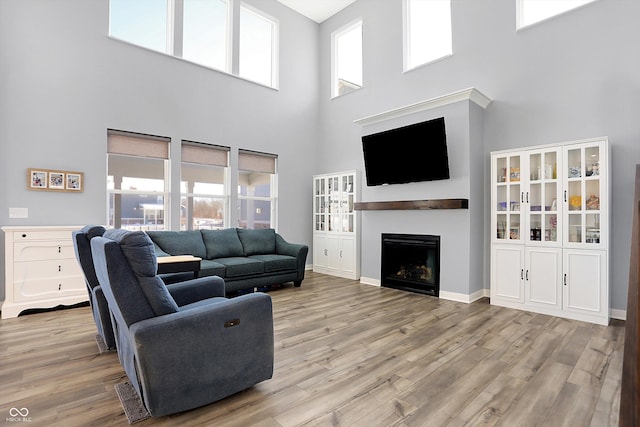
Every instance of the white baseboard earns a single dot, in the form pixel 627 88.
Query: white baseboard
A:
pixel 618 314
pixel 453 296
pixel 369 281
pixel 468 299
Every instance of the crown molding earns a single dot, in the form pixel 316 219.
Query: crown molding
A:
pixel 470 94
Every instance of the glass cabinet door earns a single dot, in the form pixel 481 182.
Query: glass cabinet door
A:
pixel 509 198
pixel 542 197
pixel 333 188
pixel 346 203
pixel 583 192
pixel 319 204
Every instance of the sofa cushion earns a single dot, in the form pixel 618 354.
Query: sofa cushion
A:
pixel 222 243
pixel 211 268
pixel 180 242
pixel 258 242
pixel 240 266
pixel 138 250
pixel 273 262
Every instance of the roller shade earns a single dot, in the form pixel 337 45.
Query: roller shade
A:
pixel 204 154
pixel 136 144
pixel 256 162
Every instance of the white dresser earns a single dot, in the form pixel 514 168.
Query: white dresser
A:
pixel 41 269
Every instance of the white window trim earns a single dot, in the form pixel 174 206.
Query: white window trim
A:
pixel 406 41
pixel 273 198
pixel 174 42
pixel 165 194
pixel 334 60
pixel 520 15
pixel 226 197
pixel 275 51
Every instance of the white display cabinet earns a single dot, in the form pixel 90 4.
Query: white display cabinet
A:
pixel 546 201
pixel 335 222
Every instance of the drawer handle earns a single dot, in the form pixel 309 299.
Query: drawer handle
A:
pixel 59 249
pixel 24 235
pixel 60 286
pixel 59 268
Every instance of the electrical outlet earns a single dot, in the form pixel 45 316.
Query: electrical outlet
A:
pixel 18 212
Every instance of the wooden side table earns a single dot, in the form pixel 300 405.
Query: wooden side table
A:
pixel 179 264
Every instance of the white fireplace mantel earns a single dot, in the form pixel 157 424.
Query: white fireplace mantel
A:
pixel 470 94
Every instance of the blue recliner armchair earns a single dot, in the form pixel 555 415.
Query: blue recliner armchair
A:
pixel 99 306
pixel 185 348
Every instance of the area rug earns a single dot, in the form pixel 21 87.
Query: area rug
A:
pixel 131 403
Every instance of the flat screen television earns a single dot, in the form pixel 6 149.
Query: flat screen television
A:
pixel 413 153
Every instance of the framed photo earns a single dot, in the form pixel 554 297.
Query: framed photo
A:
pixel 37 179
pixel 74 181
pixel 56 180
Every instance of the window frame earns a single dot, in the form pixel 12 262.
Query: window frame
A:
pixel 131 152
pixel 275 44
pixel 407 43
pixel 273 183
pixel 228 45
pixel 335 35
pixel 175 33
pixel 520 14
pixel 226 184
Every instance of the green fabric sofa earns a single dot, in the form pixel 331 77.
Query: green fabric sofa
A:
pixel 244 258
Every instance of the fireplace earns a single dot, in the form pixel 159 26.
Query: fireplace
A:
pixel 411 262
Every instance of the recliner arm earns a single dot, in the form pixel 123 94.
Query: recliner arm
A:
pixel 194 290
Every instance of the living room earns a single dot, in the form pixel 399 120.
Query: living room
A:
pixel 569 78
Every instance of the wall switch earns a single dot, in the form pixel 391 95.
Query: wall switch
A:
pixel 18 212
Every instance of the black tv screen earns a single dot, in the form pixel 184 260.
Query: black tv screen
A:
pixel 413 153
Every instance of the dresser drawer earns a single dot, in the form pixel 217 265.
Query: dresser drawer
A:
pixel 37 251
pixel 57 235
pixel 44 288
pixel 25 271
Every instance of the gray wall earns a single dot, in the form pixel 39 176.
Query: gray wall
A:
pixel 572 77
pixel 63 82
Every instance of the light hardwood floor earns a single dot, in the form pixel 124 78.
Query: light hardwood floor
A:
pixel 346 354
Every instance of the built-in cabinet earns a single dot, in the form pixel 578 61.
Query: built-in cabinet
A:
pixel 41 269
pixel 550 229
pixel 335 225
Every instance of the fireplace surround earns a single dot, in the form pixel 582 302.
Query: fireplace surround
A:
pixel 411 262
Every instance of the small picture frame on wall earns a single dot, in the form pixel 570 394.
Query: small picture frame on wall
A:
pixel 56 180
pixel 74 181
pixel 37 179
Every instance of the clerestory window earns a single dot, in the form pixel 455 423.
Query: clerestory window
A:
pixel 533 11
pixel 200 31
pixel 346 59
pixel 427 31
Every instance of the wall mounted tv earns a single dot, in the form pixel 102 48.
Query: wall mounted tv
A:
pixel 413 153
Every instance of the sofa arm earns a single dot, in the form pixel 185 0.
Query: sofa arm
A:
pixel 291 249
pixel 197 356
pixel 295 250
pixel 194 290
